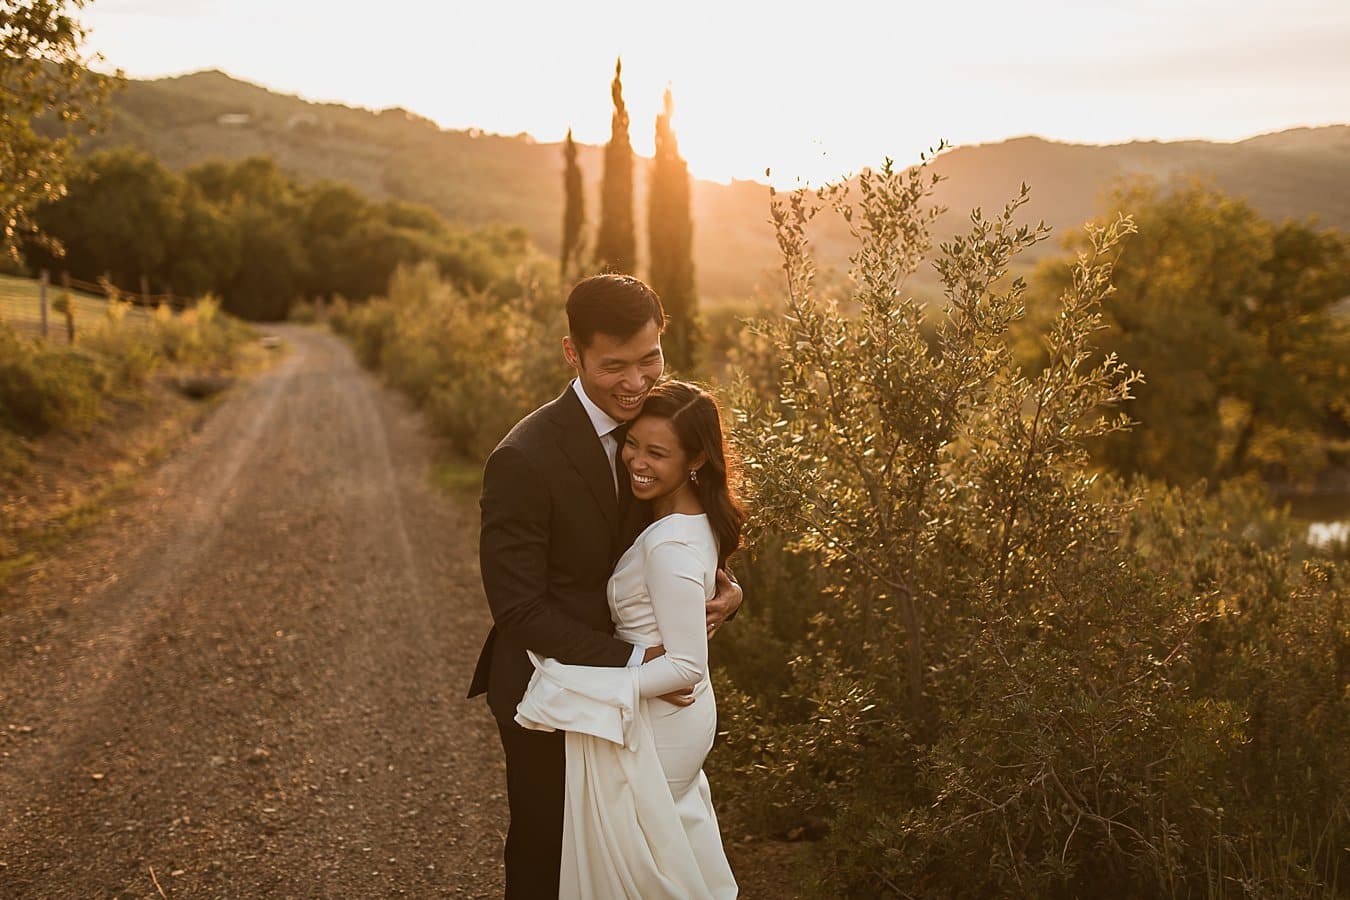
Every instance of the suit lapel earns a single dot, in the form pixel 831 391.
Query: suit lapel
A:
pixel 582 447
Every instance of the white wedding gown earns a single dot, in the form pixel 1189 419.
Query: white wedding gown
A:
pixel 638 817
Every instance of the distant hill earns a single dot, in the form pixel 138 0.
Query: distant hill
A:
pixel 478 178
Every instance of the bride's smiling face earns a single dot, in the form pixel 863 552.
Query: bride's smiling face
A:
pixel 658 467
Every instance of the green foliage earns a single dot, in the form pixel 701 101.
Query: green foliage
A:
pixel 475 362
pixel 304 312
pixel 205 251
pixel 252 235
pixel 199 338
pixel 670 235
pixel 1006 674
pixel 43 388
pixel 489 259
pixel 47 388
pixel 274 266
pixel 125 215
pixel 1273 645
pixel 1232 318
pixel 130 354
pixel 42 75
pixel 574 211
pixel 201 335
pixel 615 241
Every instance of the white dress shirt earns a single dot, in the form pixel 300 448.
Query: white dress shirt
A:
pixel 605 425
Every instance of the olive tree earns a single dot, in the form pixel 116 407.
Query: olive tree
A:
pixel 991 697
pixel 48 96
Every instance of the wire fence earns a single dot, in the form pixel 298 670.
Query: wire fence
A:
pixel 59 309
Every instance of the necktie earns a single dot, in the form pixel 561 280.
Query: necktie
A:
pixel 625 490
pixel 611 442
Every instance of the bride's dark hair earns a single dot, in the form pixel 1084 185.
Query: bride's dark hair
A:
pixel 693 414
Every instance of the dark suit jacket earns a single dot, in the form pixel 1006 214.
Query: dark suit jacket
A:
pixel 552 532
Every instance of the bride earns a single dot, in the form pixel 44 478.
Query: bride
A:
pixel 638 815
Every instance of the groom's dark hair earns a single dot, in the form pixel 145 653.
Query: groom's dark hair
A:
pixel 616 305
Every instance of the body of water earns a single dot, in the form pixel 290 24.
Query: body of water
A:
pixel 1327 515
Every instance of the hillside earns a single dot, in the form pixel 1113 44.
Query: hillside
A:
pixel 477 178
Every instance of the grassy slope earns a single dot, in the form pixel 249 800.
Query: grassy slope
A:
pixel 19 307
pixel 479 178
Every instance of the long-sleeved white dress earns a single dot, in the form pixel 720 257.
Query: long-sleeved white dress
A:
pixel 638 816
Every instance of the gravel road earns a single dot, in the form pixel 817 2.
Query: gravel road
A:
pixel 248 680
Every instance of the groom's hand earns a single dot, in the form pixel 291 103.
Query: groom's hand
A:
pixel 683 697
pixel 724 603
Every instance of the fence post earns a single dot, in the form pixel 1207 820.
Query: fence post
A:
pixel 70 308
pixel 43 281
pixel 145 292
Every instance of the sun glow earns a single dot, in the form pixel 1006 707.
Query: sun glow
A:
pixel 807 91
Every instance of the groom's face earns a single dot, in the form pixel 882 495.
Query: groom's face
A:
pixel 616 373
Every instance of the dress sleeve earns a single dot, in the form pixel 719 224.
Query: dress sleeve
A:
pixel 674 575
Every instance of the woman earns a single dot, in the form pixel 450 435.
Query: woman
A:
pixel 638 819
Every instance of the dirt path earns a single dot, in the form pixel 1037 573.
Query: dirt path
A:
pixel 249 682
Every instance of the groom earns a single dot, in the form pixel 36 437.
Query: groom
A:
pixel 558 511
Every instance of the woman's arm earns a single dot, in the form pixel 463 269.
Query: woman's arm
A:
pixel 674 575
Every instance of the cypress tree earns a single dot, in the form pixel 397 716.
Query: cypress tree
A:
pixel 574 210
pixel 615 244
pixel 670 233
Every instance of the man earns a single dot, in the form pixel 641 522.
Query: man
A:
pixel 558 512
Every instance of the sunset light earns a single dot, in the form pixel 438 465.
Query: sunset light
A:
pixel 719 449
pixel 809 90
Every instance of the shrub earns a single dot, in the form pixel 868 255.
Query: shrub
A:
pixel 475 362
pixel 128 351
pixel 200 335
pixel 45 388
pixel 366 325
pixel 1004 686
pixel 1275 645
pixel 42 389
pixel 305 312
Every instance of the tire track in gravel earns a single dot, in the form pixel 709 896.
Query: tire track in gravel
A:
pixel 249 681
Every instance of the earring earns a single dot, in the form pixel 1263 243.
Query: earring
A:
pixel 693 475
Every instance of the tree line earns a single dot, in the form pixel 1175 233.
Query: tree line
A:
pixel 253 235
pixel 670 263
pixel 244 231
pixel 1237 323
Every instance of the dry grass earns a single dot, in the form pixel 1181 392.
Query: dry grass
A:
pixel 20 308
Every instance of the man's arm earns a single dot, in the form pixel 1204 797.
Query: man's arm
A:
pixel 722 608
pixel 513 557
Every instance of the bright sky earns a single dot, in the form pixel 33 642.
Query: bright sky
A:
pixel 810 89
